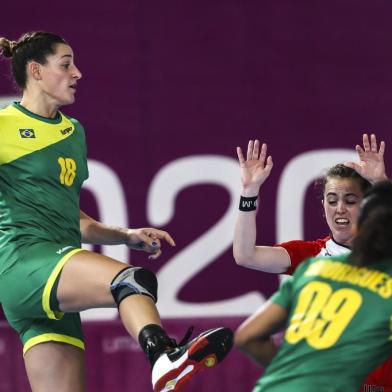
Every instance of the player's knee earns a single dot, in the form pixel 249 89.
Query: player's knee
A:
pixel 134 280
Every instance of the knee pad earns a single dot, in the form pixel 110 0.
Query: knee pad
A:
pixel 134 280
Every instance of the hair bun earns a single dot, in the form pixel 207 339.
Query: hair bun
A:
pixel 7 47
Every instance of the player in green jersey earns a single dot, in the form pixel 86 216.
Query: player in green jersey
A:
pixel 45 276
pixel 334 336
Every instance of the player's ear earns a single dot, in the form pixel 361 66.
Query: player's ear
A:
pixel 34 70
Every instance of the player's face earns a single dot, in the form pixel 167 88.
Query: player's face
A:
pixel 342 197
pixel 59 76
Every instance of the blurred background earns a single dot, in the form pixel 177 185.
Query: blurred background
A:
pixel 169 89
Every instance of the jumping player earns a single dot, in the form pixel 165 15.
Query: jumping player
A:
pixel 45 276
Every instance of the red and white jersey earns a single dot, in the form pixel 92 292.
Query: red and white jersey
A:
pixel 300 250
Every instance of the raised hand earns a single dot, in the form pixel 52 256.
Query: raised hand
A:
pixel 371 159
pixel 255 169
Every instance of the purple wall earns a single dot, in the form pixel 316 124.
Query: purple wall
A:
pixel 164 81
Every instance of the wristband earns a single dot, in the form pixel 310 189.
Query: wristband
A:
pixel 248 203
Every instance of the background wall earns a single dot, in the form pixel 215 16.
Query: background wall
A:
pixel 169 89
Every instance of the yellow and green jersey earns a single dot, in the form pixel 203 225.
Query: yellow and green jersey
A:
pixel 43 165
pixel 339 326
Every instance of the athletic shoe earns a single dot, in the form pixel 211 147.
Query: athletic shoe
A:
pixel 178 365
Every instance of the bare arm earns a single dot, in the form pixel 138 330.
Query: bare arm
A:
pixel 146 239
pixel 253 337
pixel 274 259
pixel 254 171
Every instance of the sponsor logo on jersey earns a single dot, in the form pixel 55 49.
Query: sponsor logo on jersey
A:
pixel 62 250
pixel 66 130
pixel 26 133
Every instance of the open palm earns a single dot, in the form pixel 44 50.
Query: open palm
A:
pixel 256 168
pixel 371 159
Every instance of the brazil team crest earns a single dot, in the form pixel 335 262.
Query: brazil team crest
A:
pixel 27 133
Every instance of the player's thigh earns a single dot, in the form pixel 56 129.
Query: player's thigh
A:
pixel 53 366
pixel 85 281
pixel 27 293
pixel 27 290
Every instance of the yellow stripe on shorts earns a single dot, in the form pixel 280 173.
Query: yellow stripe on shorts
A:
pixel 52 337
pixel 49 285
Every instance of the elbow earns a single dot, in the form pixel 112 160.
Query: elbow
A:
pixel 244 261
pixel 240 340
pixel 243 343
pixel 241 259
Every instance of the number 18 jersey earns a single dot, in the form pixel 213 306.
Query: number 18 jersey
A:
pixel 43 165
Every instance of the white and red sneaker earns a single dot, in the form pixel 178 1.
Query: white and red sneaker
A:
pixel 178 365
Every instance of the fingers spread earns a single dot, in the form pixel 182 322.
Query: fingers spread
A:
pixel 360 151
pixel 256 146
pixel 366 144
pixel 249 153
pixel 263 153
pixel 240 155
pixel 382 148
pixel 269 164
pixel 373 142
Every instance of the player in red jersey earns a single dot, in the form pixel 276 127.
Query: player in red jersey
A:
pixel 344 186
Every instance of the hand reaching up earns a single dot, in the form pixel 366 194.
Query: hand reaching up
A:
pixel 371 160
pixel 255 169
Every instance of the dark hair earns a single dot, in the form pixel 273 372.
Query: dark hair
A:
pixel 373 242
pixel 341 171
pixel 33 46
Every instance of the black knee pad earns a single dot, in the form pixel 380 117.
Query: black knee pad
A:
pixel 134 280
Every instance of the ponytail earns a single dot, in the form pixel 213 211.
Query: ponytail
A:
pixel 373 242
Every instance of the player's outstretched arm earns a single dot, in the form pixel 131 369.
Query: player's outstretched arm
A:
pixel 147 239
pixel 253 336
pixel 255 169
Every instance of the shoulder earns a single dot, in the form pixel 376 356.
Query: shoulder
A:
pixel 300 250
pixel 8 112
pixel 12 118
pixel 312 248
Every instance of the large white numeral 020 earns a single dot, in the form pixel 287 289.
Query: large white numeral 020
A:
pixel 166 185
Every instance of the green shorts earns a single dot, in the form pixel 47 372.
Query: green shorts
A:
pixel 28 293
